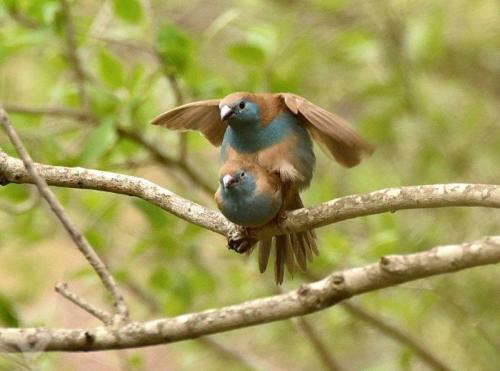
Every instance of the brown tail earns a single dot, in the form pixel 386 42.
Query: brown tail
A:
pixel 290 249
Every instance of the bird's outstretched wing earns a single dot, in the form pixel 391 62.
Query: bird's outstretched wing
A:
pixel 202 116
pixel 332 132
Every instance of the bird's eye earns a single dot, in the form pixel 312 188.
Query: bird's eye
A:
pixel 242 174
pixel 242 105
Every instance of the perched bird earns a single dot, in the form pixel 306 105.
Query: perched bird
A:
pixel 250 196
pixel 274 131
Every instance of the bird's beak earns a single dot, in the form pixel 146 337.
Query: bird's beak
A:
pixel 229 181
pixel 226 112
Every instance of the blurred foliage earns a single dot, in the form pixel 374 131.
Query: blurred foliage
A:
pixel 420 79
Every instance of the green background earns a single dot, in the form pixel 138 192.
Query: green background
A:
pixel 419 79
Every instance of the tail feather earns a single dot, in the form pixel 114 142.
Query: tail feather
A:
pixel 279 263
pixel 290 249
pixel 264 252
pixel 289 259
pixel 299 250
pixel 311 239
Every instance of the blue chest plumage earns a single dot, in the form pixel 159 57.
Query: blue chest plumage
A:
pixel 245 207
pixel 250 138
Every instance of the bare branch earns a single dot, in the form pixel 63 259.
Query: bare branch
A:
pixel 49 111
pixel 333 211
pixel 243 357
pixel 164 159
pixel 13 171
pixel 325 355
pixel 79 240
pixel 105 317
pixel 388 200
pixel 391 330
pixel 72 53
pixel 124 133
pixel 249 361
pixel 312 297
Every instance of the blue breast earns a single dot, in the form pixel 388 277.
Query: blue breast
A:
pixel 244 207
pixel 251 137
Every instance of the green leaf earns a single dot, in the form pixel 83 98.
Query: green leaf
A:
pixel 246 54
pixel 128 10
pixel 100 140
pixel 110 69
pixel 8 314
pixel 102 101
pixel 175 48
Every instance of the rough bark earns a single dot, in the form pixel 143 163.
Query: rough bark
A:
pixel 389 271
pixel 348 207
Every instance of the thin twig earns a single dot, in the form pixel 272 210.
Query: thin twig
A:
pixel 398 334
pixel 303 325
pixel 49 111
pixel 445 295
pixel 19 17
pixel 123 133
pixel 23 207
pixel 80 241
pixel 319 347
pixel 103 316
pixel 390 330
pixel 388 271
pixel 243 358
pixel 167 161
pixel 72 53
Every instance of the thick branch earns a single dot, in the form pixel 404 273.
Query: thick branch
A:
pixel 389 271
pixel 348 207
pixel 13 171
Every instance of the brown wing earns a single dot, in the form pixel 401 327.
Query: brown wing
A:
pixel 332 132
pixel 203 116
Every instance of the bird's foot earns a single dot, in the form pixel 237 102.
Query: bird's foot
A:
pixel 281 216
pixel 241 239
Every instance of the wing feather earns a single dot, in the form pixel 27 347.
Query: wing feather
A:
pixel 332 132
pixel 202 116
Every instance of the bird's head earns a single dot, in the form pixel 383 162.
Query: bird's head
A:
pixel 239 180
pixel 239 108
pixel 238 177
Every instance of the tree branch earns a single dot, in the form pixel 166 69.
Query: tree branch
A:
pixel 79 240
pixel 124 133
pixel 326 356
pixel 312 297
pixel 164 159
pixel 13 171
pixel 105 317
pixel 391 330
pixel 333 211
pixel 72 54
pixel 49 111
